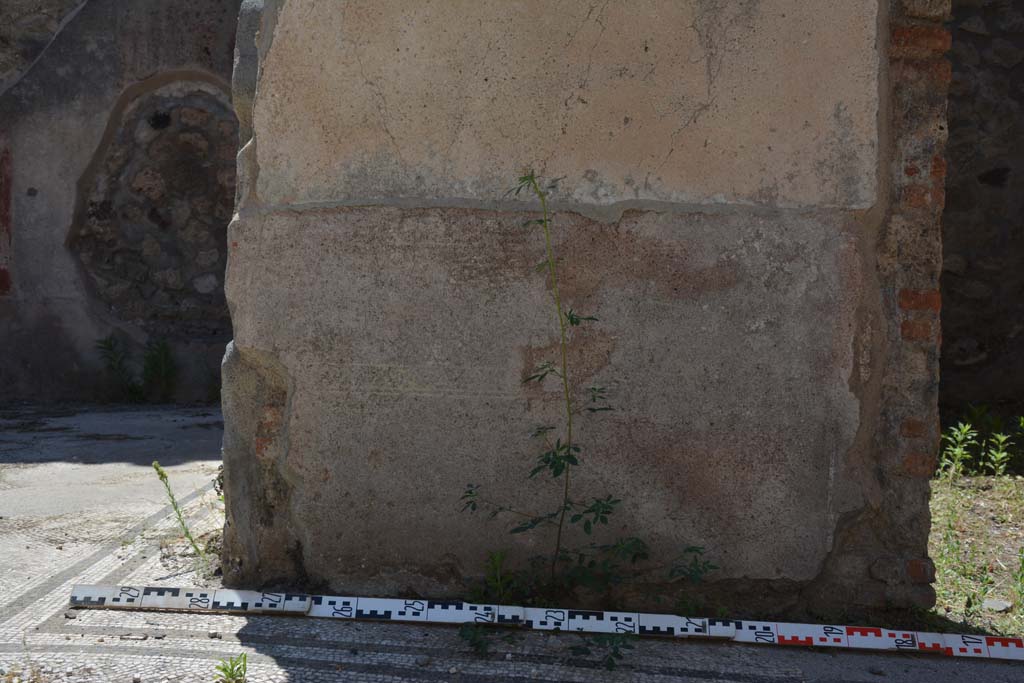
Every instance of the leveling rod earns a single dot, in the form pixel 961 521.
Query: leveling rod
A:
pixel 543 619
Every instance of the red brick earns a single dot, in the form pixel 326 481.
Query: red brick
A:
pixel 920 463
pixel 919 41
pixel 911 170
pixel 916 196
pixel 5 281
pixel 261 444
pixel 920 570
pixel 917 330
pixel 939 169
pixel 913 429
pixel 936 73
pixel 920 300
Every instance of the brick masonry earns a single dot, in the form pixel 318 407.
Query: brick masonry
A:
pixel 909 260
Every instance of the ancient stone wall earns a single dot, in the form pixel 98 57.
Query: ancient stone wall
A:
pixel 117 179
pixel 26 29
pixel 983 225
pixel 748 200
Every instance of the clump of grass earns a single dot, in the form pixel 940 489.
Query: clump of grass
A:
pixel 977 544
pixel 160 472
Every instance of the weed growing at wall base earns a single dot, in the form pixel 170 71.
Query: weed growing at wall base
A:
pixel 115 359
pixel 593 566
pixel 186 532
pixel 159 370
pixel 607 646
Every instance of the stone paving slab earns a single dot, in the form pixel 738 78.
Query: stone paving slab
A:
pixel 40 643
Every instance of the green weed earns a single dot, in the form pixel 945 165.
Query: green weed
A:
pixel 982 443
pixel 607 646
pixel 590 565
pixel 162 474
pixel 997 454
pixel 478 638
pixel 231 670
pixel 116 360
pixel 957 456
pixel 159 371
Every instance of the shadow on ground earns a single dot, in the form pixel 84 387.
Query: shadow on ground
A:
pixel 109 434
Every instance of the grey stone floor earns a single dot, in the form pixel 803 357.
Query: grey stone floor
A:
pixel 80 504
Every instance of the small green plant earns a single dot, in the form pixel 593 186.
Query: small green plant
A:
pixel 116 360
pixel 500 585
pixel 982 443
pixel 160 472
pixel 997 453
pixel 593 566
pixel 159 371
pixel 691 565
pixel 957 453
pixel 478 638
pixel 231 670
pixel 561 454
pixel 608 646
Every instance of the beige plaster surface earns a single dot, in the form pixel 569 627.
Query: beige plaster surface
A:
pixel 402 338
pixel 714 158
pixel 768 102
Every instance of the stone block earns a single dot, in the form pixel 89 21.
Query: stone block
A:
pixel 714 102
pixel 403 338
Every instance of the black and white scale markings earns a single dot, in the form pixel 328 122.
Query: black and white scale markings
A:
pixel 544 619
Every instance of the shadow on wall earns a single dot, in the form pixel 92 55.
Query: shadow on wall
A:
pixel 136 107
pixel 983 223
pixel 150 236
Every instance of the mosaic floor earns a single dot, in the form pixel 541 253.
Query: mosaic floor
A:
pixel 128 543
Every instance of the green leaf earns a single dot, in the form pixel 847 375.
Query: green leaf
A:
pixel 574 318
pixel 542 371
pixel 469 498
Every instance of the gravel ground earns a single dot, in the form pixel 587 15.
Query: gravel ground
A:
pixel 80 504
